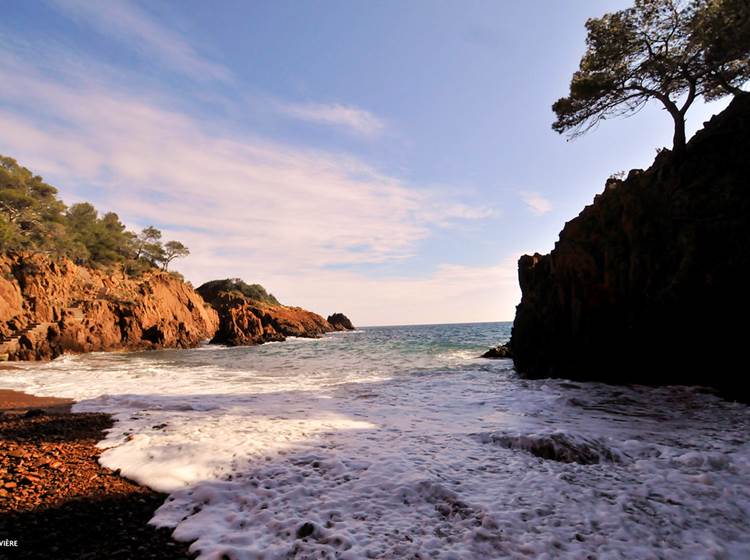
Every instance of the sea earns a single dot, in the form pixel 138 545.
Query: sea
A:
pixel 402 443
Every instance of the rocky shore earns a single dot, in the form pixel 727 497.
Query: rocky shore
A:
pixel 648 284
pixel 56 501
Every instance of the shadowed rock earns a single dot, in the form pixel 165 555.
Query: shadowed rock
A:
pixel 499 351
pixel 340 322
pixel 656 264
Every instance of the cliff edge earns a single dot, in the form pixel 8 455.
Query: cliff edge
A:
pixel 649 283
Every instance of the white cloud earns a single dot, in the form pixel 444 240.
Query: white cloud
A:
pixel 128 23
pixel 246 206
pixel 536 203
pixel 352 118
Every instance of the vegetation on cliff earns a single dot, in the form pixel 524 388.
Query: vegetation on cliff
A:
pixel 673 51
pixel 256 292
pixel 33 218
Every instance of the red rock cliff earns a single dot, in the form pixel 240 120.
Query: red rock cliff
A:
pixel 52 306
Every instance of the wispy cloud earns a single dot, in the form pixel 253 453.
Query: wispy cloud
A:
pixel 127 22
pixel 352 118
pixel 245 205
pixel 536 203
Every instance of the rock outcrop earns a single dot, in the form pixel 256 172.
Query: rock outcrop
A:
pixel 244 320
pixel 498 352
pixel 649 283
pixel 52 306
pixel 340 322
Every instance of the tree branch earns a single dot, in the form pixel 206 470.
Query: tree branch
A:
pixel 690 97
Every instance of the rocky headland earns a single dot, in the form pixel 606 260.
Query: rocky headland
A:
pixel 249 315
pixel 648 284
pixel 50 306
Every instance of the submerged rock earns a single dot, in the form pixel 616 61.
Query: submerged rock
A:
pixel 305 530
pixel 556 447
pixel 658 261
pixel 340 322
pixel 499 351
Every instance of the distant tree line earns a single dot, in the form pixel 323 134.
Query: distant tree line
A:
pixel 33 218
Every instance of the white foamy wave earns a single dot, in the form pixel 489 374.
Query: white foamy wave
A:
pixel 330 450
pixel 460 356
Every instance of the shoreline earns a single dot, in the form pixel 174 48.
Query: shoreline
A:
pixel 56 500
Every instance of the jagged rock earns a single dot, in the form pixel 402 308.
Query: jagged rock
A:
pixel 656 263
pixel 246 321
pixel 500 351
pixel 54 306
pixel 340 322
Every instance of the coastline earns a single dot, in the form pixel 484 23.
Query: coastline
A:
pixel 55 497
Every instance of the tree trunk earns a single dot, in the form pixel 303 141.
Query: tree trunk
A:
pixel 678 141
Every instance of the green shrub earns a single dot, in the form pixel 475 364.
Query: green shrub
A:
pixel 210 290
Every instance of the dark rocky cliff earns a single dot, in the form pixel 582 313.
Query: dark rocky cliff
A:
pixel 649 284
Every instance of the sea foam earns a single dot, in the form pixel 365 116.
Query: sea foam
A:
pixel 377 445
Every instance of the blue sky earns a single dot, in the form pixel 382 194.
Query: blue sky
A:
pixel 389 159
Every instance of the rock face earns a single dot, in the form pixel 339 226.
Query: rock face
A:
pixel 246 321
pixel 340 322
pixel 52 306
pixel 649 283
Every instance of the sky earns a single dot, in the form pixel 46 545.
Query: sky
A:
pixel 390 160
